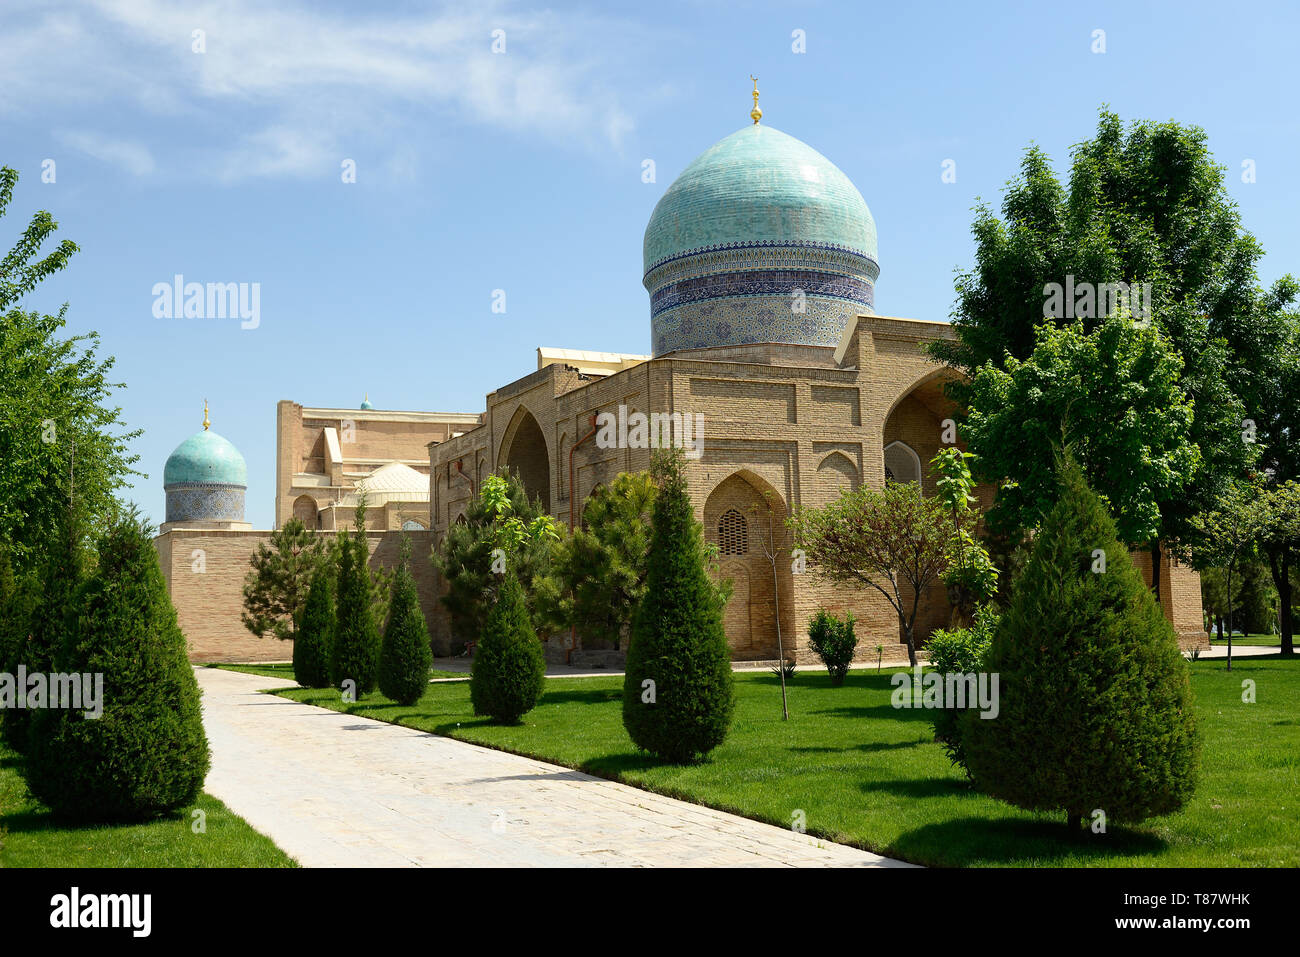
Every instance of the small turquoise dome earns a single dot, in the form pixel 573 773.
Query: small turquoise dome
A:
pixel 759 185
pixel 365 403
pixel 205 458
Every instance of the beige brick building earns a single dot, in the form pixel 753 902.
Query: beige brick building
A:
pixel 760 261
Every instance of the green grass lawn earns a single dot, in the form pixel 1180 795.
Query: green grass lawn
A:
pixel 285 670
pixel 1263 640
pixel 866 774
pixel 31 837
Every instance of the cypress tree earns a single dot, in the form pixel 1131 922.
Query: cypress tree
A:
pixel 39 617
pixel 147 753
pixel 354 654
pixel 677 692
pixel 509 667
pixel 1095 703
pixel 311 647
pixel 405 656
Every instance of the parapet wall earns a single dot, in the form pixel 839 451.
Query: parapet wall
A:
pixel 205 571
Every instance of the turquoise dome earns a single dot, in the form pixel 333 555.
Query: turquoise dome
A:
pixel 759 185
pixel 759 240
pixel 205 458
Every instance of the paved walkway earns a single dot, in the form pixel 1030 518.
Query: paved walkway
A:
pixel 333 789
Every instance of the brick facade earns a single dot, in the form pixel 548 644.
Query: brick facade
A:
pixel 789 425
pixel 205 571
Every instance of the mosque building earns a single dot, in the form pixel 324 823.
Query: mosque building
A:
pixel 760 262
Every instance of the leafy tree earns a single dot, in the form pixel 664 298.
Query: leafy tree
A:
pixel 1113 397
pixel 893 540
pixel 677 687
pixel 1146 204
pixel 598 573
pixel 45 609
pixel 20 270
pixel 354 652
pixel 312 647
pixel 1228 536
pixel 833 641
pixel 1279 540
pixel 146 754
pixel 275 589
pixel 1094 699
pixel 509 668
pixel 500 516
pixel 1215 599
pixel 971 576
pixel 405 656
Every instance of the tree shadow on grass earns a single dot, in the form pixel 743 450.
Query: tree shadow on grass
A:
pixel 615 765
pixel 973 841
pixel 42 819
pixel 922 787
pixel 869 747
pixel 884 712
pixel 596 696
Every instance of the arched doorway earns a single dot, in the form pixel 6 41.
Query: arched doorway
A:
pixel 746 525
pixel 920 423
pixel 305 511
pixel 524 452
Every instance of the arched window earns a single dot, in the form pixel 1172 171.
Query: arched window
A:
pixel 411 525
pixel 733 533
pixel 902 464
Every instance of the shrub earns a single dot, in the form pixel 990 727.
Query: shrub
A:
pixel 38 620
pixel 834 642
pixel 1095 704
pixel 147 753
pixel 465 557
pixel 405 656
pixel 677 689
pixel 959 651
pixel 784 669
pixel 354 652
pixel 509 667
pixel 311 648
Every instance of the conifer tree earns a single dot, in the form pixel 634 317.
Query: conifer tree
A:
pixel 1095 704
pixel 509 666
pixel 147 753
pixel 42 606
pixel 354 653
pixel 405 656
pixel 311 649
pixel 677 691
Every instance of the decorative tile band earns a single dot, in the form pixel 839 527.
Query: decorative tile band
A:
pixel 787 283
pixel 205 501
pixel 738 320
pixel 733 257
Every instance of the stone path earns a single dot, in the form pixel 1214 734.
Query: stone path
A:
pixel 336 790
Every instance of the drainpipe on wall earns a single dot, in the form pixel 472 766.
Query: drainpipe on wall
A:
pixel 591 421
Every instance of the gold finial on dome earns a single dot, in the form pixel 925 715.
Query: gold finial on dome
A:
pixel 756 114
pixel 206 423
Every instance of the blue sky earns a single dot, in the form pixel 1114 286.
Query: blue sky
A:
pixel 521 170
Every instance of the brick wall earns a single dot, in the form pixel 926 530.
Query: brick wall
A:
pixel 205 573
pixel 798 423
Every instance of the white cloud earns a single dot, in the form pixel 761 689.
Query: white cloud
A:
pixel 132 157
pixel 280 86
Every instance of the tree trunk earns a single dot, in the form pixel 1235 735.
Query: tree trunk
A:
pixel 1229 579
pixel 907 636
pixel 1280 565
pixel 1155 570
